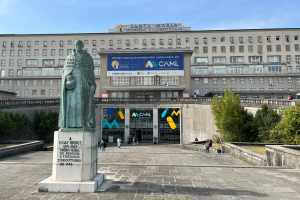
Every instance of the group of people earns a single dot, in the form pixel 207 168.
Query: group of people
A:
pixel 103 144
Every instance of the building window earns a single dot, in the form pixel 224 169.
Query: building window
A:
pixel 278 48
pixel 250 39
pixel 237 69
pixel 196 50
pixel 269 48
pixel 289 79
pixel 259 48
pixel 19 72
pixel 2 63
pixel 241 39
pixel 270 81
pixel 232 80
pixel 97 72
pixel 243 89
pixel 51 92
pixel 297 59
pixel 205 91
pixel 94 51
pixel 3 52
pixel 250 49
pixel 215 81
pixel 32 62
pixel 36 52
pixel 37 43
pixel 297 68
pixel 2 72
pixel 252 80
pixel 289 68
pixel 222 39
pixel 10 82
pixel 43 82
pixel 196 40
pixel 60 71
pixel 201 70
pixel 219 69
pixel 274 58
pixel 196 81
pixel 236 59
pixel 241 49
pixel 201 60
pixel 25 92
pixel 170 42
pixel 97 61
pixel 205 80
pixel 119 42
pixel 298 80
pixel 197 91
pixel 19 62
pixel 12 52
pixel 136 41
pixel 45 44
pixel 61 52
pixel 296 47
pixel 69 52
pixel 261 89
pixel 28 52
pixel 214 49
pixel 219 59
pixel 280 79
pixel 231 39
pixel 69 42
pixel 256 68
pixel 34 83
pixel 20 52
pixel 170 80
pixel 18 92
pixel 102 42
pixel 261 80
pixel 58 92
pixel 31 71
pixel 48 62
pixel 48 72
pixel 205 40
pixel 61 62
pixel 242 80
pixel 51 82
pixel 205 50
pixel 252 89
pixel 288 58
pixel 11 62
pixel 161 41
pixel 287 48
pixel 26 82
pixel 232 50
pixel 274 68
pixel 255 59
pixel 52 52
pixel 223 80
pixel 53 43
pixel 152 41
pixel 223 49
pixel 59 82
pixel 213 39
pixel 11 72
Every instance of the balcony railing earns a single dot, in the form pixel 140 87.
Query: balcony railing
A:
pixel 192 100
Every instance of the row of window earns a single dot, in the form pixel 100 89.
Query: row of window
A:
pixel 170 41
pixel 35 72
pixel 26 82
pixel 241 49
pixel 35 92
pixel 240 59
pixel 36 52
pixel 240 69
pixel 144 80
pixel 261 80
pixel 45 62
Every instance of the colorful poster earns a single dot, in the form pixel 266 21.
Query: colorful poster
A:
pixel 145 65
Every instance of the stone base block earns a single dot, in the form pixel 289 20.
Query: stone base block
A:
pixel 49 185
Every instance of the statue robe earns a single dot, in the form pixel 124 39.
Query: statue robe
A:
pixel 77 107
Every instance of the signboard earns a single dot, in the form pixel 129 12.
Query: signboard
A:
pixel 149 27
pixel 145 65
pixel 104 96
pixel 69 151
pixel 185 94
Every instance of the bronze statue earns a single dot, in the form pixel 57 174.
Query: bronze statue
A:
pixel 77 108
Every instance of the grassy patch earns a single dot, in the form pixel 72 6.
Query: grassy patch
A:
pixel 6 145
pixel 48 144
pixel 261 150
pixel 217 145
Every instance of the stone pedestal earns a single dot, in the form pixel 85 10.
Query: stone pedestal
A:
pixel 74 166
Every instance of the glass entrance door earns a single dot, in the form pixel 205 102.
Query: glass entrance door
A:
pixel 144 135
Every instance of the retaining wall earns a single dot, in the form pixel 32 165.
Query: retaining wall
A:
pixel 20 148
pixel 283 155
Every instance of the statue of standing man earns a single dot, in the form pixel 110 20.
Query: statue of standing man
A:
pixel 77 108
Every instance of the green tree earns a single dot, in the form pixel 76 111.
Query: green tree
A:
pixel 7 125
pixel 228 116
pixel 288 130
pixel 265 119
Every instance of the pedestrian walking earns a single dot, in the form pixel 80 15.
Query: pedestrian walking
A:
pixel 133 140
pixel 137 141
pixel 119 142
pixel 103 146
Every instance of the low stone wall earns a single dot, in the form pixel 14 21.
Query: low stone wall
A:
pixel 245 154
pixel 20 148
pixel 283 155
pixel 198 147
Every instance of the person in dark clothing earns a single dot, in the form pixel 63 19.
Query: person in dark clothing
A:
pixel 210 143
pixel 196 139
pixel 103 146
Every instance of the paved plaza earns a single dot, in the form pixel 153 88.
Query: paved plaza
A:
pixel 156 172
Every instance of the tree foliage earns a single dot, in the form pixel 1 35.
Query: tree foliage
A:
pixel 229 116
pixel 7 124
pixel 288 130
pixel 265 120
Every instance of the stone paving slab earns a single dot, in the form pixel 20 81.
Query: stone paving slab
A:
pixel 154 172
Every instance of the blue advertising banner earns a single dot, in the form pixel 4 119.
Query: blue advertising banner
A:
pixel 145 65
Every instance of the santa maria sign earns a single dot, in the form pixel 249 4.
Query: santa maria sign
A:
pixel 149 27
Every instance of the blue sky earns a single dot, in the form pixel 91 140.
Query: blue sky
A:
pixel 92 16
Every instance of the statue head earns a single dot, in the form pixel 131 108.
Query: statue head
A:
pixel 78 45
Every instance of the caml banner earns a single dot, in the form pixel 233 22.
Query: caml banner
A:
pixel 145 65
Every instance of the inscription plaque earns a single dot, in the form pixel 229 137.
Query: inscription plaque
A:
pixel 70 152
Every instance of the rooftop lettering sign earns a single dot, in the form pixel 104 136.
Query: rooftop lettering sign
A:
pixel 149 27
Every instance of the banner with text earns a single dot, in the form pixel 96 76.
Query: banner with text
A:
pixel 145 65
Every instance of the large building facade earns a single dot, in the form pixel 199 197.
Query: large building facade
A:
pixel 258 62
